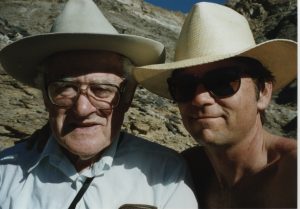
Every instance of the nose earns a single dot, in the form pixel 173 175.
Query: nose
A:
pixel 83 107
pixel 202 97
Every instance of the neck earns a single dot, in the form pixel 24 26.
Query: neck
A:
pixel 235 161
pixel 81 163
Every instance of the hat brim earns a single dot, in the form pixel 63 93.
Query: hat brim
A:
pixel 20 58
pixel 279 56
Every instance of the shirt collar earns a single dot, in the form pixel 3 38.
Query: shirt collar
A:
pixel 106 160
pixel 54 155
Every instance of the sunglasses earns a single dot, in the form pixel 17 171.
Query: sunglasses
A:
pixel 220 83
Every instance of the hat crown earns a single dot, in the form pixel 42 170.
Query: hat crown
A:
pixel 82 16
pixel 80 26
pixel 213 30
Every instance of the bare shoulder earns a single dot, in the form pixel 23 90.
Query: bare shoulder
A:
pixel 285 147
pixel 283 185
pixel 285 150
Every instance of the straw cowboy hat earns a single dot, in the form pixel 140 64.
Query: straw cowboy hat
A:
pixel 212 32
pixel 81 25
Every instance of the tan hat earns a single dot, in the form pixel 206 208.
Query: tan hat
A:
pixel 212 32
pixel 81 25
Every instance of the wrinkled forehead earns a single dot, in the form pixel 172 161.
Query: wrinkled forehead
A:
pixel 78 63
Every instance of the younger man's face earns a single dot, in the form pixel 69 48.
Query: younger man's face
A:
pixel 222 120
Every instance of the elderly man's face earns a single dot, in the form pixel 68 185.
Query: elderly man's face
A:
pixel 82 128
pixel 222 120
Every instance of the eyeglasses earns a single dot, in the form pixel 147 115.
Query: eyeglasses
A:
pixel 101 96
pixel 220 83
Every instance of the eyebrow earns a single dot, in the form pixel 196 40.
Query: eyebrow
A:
pixel 95 81
pixel 66 79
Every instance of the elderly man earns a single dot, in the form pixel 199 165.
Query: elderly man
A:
pixel 222 82
pixel 83 68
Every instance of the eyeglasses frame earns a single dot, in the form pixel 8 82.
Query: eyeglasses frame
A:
pixel 121 89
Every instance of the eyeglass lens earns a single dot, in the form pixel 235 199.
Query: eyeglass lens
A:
pixel 102 96
pixel 220 83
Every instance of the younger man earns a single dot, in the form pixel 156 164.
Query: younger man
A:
pixel 83 67
pixel 222 82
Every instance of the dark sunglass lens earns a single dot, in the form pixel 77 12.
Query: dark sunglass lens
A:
pixel 182 89
pixel 223 83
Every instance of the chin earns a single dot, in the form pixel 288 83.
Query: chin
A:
pixel 86 151
pixel 207 137
pixel 85 144
pixel 85 154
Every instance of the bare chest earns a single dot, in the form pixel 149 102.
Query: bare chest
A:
pixel 250 197
pixel 264 190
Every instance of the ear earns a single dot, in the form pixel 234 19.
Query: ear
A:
pixel 128 96
pixel 46 100
pixel 127 102
pixel 265 96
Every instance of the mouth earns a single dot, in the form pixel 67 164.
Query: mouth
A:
pixel 204 117
pixel 83 127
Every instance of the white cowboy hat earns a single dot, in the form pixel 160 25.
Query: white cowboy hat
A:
pixel 212 32
pixel 81 25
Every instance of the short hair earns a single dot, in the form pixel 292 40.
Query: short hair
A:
pixel 259 74
pixel 131 82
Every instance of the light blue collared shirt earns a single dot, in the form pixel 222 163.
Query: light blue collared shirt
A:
pixel 130 171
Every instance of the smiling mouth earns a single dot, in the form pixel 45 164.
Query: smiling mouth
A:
pixel 203 117
pixel 80 128
pixel 83 126
pixel 91 129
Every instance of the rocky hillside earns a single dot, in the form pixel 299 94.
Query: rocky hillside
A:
pixel 155 118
